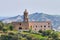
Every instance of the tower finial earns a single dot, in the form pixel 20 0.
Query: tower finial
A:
pixel 26 11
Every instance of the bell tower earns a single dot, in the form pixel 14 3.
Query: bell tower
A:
pixel 25 16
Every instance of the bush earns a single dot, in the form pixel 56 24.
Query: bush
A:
pixel 4 30
pixel 43 38
pixel 9 37
pixel 29 37
pixel 11 33
pixel 23 39
pixel 5 37
pixel 46 32
pixel 54 35
pixel 40 31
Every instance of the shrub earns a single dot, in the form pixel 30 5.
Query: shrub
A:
pixel 11 27
pixel 5 37
pixel 4 30
pixel 40 31
pixel 11 33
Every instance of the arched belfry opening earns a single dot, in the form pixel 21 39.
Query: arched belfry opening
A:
pixel 25 15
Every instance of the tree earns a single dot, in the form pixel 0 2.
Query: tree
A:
pixel 9 37
pixel 46 32
pixel 54 35
pixel 40 31
pixel 1 25
pixel 11 27
pixel 30 29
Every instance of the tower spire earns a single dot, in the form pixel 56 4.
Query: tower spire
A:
pixel 25 15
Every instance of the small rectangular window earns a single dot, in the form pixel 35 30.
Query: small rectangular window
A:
pixel 44 25
pixel 48 26
pixel 36 26
pixel 48 23
pixel 41 26
pixel 20 23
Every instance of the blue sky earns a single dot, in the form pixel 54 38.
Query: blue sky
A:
pixel 17 7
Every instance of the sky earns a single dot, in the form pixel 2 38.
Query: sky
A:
pixel 9 8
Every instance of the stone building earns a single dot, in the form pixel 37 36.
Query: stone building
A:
pixel 34 25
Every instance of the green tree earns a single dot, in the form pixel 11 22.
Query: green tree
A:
pixel 46 32
pixel 40 31
pixel 9 37
pixel 30 29
pixel 54 35
pixel 11 27
pixel 1 25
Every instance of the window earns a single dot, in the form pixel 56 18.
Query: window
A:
pixel 48 23
pixel 41 26
pixel 48 26
pixel 20 23
pixel 44 25
pixel 20 28
pixel 44 29
pixel 36 26
pixel 26 28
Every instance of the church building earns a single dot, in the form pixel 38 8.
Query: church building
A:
pixel 33 25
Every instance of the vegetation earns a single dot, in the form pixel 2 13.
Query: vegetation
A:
pixel 8 33
pixel 11 27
